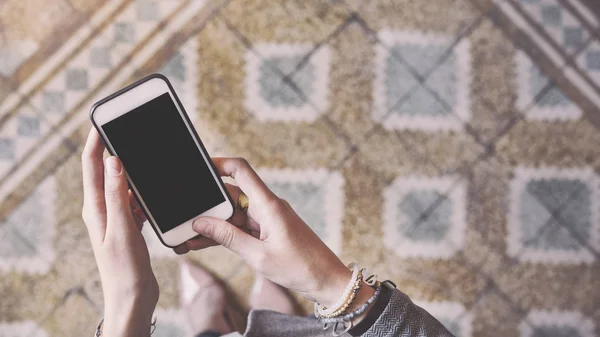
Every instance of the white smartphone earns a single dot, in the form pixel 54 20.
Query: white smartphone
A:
pixel 169 171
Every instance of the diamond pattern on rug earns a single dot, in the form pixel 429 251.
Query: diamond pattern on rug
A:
pixel 101 63
pixel 316 195
pixel 556 324
pixel 425 217
pixel 537 98
pixel 27 234
pixel 558 22
pixel 543 202
pixel 442 102
pixel 453 315
pixel 285 82
pixel 21 329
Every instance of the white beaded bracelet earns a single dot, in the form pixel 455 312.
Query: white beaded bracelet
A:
pixel 320 311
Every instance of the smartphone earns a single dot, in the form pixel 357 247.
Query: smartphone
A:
pixel 169 171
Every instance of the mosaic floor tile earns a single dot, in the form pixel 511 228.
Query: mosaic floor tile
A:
pixel 21 329
pixel 72 244
pixel 431 279
pixel 543 202
pixel 13 53
pixel 418 153
pixel 530 285
pixel 27 235
pixel 271 98
pixel 221 105
pixel 490 310
pixel 86 5
pixel 552 30
pixel 589 62
pixel 283 21
pixel 492 90
pixel 425 217
pixel 28 296
pixel 537 97
pixel 328 51
pixel 316 195
pixel 82 324
pixel 449 16
pixel 485 245
pixel 5 88
pixel 48 16
pixel 556 323
pixel 453 315
pixel 442 102
pixel 89 67
pixel 558 22
pixel 352 54
pixel 19 135
pixel 524 284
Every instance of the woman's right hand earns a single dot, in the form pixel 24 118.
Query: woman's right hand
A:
pixel 276 242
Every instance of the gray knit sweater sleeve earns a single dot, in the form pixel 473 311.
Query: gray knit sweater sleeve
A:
pixel 403 318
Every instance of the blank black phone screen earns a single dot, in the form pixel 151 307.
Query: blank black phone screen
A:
pixel 163 162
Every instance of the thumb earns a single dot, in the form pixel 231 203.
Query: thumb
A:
pixel 116 193
pixel 227 235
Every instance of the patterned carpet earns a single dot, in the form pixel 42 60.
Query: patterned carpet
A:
pixel 451 145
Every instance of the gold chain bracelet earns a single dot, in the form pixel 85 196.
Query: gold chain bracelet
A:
pixel 357 284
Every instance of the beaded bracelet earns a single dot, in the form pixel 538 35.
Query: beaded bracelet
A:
pixel 320 311
pixel 357 312
pixel 346 320
pixel 349 300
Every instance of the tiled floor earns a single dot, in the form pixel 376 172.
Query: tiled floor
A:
pixel 452 145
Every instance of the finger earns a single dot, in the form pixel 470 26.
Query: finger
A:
pixel 93 186
pixel 200 242
pixel 118 210
pixel 137 216
pixel 227 235
pixel 135 208
pixel 239 217
pixel 181 249
pixel 245 176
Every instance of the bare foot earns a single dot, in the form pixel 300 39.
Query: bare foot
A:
pixel 203 299
pixel 266 295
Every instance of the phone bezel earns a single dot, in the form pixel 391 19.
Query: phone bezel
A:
pixel 127 99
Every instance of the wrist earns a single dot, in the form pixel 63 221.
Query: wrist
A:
pixel 127 318
pixel 332 286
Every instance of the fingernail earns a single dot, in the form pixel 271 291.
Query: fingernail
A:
pixel 201 226
pixel 112 165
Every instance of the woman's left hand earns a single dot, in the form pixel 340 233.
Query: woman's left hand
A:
pixel 114 223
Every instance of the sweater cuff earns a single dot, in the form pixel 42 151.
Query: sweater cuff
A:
pixel 376 311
